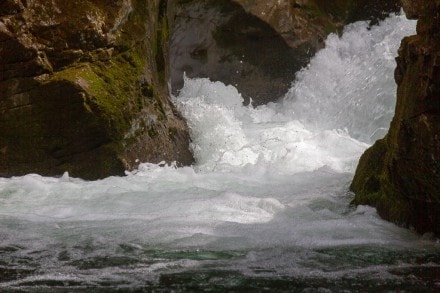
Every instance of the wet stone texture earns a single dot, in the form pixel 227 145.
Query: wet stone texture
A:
pixel 84 84
pixel 219 40
pixel 400 175
pixel 83 88
pixel 258 46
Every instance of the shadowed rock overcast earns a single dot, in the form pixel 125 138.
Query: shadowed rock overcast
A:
pixel 83 88
pixel 83 84
pixel 258 46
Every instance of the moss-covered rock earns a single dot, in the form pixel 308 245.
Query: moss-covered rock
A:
pixel 405 167
pixel 370 180
pixel 83 88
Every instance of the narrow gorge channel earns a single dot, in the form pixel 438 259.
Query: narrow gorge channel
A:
pixel 266 204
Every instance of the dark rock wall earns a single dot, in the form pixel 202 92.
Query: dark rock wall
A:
pixel 400 175
pixel 220 40
pixel 83 88
pixel 258 46
pixel 84 84
pixel 309 21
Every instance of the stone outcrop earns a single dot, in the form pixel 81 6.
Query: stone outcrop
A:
pixel 400 174
pixel 83 88
pixel 259 45
pixel 310 21
pixel 84 84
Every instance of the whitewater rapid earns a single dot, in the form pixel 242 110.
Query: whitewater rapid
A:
pixel 270 184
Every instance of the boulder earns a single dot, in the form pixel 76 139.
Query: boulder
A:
pixel 83 88
pixel 400 174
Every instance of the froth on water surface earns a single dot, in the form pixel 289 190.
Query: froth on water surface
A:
pixel 265 206
pixel 350 84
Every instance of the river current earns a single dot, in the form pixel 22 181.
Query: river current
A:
pixel 265 207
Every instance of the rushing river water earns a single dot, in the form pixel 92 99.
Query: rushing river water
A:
pixel 265 207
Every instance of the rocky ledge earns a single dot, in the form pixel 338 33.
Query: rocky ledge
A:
pixel 400 174
pixel 83 88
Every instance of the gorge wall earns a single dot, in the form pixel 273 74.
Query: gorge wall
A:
pixel 258 46
pixel 400 174
pixel 84 84
pixel 83 88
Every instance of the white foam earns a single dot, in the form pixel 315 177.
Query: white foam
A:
pixel 267 177
pixel 350 84
pixel 343 100
pixel 226 135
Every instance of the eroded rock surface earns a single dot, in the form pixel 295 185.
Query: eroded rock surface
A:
pixel 258 46
pixel 220 40
pixel 400 174
pixel 83 84
pixel 83 88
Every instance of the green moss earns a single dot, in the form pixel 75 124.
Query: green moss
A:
pixel 392 206
pixel 110 87
pixel 83 115
pixel 372 185
pixel 367 179
pixel 162 38
pixel 165 31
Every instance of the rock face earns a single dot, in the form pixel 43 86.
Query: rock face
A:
pixel 400 174
pixel 259 45
pixel 84 83
pixel 83 88
pixel 310 21
pixel 220 40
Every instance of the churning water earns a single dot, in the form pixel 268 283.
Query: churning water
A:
pixel 265 206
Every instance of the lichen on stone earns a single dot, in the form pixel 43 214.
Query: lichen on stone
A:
pixel 93 77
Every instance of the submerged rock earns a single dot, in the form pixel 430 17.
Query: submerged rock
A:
pixel 400 174
pixel 258 46
pixel 83 88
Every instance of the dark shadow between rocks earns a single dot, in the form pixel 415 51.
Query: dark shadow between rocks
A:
pixel 220 40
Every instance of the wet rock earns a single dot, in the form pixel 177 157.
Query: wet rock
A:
pixel 8 7
pixel 310 21
pixel 83 88
pixel 220 40
pixel 371 10
pixel 84 84
pixel 400 175
pixel 258 46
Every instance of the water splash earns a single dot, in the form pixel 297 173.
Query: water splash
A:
pixel 267 197
pixel 350 84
